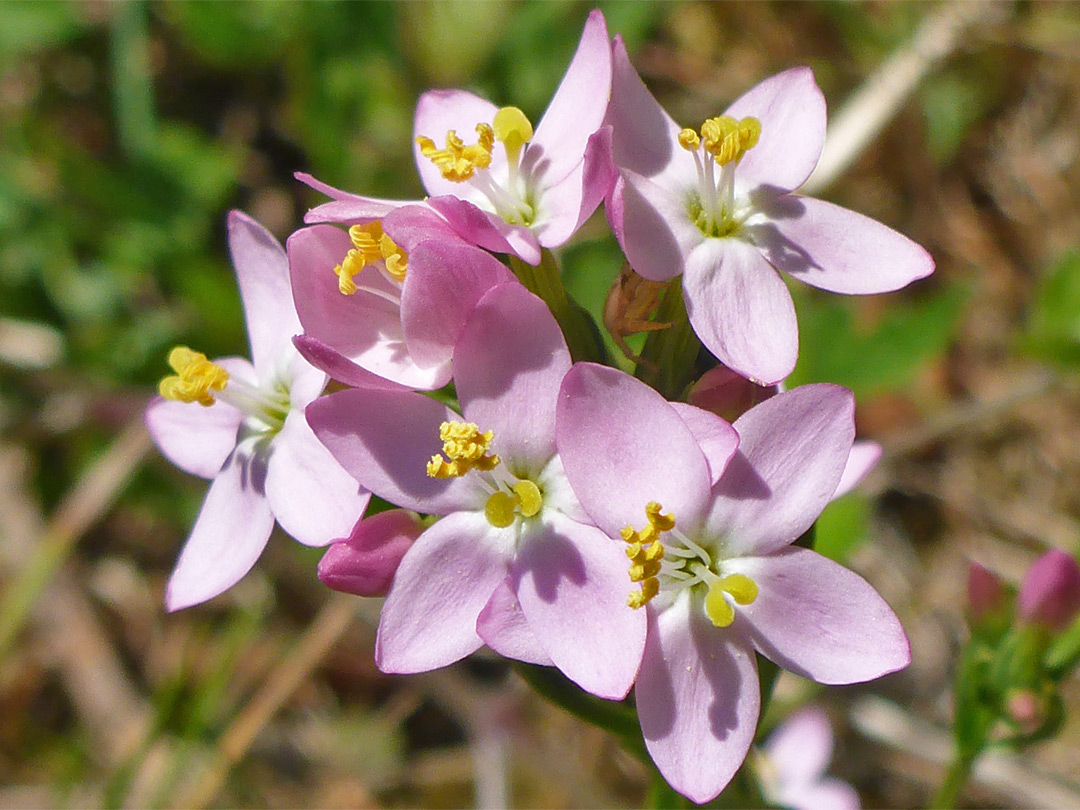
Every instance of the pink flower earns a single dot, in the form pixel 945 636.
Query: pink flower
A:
pixel 791 765
pixel 513 562
pixel 249 435
pixel 709 529
pixel 717 206
pixel 387 298
pixel 510 191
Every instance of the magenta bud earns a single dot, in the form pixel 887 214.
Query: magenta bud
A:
pixel 728 394
pixel 1050 592
pixel 986 595
pixel 365 563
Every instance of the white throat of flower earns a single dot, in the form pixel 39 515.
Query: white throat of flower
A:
pixel 199 380
pixel 722 143
pixel 510 199
pixel 676 566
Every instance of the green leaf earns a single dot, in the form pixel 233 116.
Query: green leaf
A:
pixel 1053 331
pixel 842 527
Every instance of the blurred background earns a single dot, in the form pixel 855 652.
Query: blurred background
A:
pixel 128 130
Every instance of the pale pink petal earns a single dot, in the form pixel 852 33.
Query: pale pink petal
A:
pixel 229 534
pixel 836 249
pixel 792 450
pixel 364 564
pixel 644 137
pixel 572 583
pixel 409 376
pixel 508 365
pixel 716 438
pixel 741 310
pixel 439 111
pixel 486 230
pixel 698 700
pixel 410 225
pixel 563 207
pixel 623 446
pixel 443 283
pixel 791 109
pixel 503 627
pixel 800 748
pixel 828 794
pixel 864 455
pixel 442 584
pixel 312 497
pixel 658 234
pixel 196 439
pixel 385 440
pixel 819 620
pixel 262 270
pixel 347 207
pixel 576 110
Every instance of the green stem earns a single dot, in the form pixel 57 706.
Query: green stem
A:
pixel 669 359
pixel 618 718
pixel 959 771
pixel 578 328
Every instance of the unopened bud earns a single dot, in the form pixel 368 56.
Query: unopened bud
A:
pixel 986 595
pixel 1024 710
pixel 727 394
pixel 1050 592
pixel 364 564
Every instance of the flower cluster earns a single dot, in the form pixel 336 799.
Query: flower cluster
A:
pixel 549 504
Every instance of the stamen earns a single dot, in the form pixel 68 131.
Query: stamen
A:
pixel 458 162
pixel 370 245
pixel 689 140
pixel 195 377
pixel 646 553
pixel 465 447
pixel 727 140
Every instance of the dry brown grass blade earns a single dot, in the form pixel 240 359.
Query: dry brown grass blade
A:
pixel 882 95
pixel 299 662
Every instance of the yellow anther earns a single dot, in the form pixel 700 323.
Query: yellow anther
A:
pixel 717 607
pixel 727 139
pixel 646 553
pixel 195 377
pixel 465 447
pixel 458 162
pixel 742 589
pixel 512 130
pixel 370 245
pixel 649 589
pixel 689 140
pixel 499 509
pixel 530 499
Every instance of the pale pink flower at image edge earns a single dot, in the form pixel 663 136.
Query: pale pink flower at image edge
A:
pixel 793 761
pixel 624 446
pixel 737 302
pixel 558 179
pixel 264 466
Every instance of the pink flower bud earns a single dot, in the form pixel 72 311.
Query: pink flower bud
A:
pixel 986 595
pixel 366 562
pixel 727 394
pixel 1025 710
pixel 1050 592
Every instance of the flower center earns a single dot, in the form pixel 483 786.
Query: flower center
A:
pixel 370 246
pixel 199 380
pixel 717 150
pixel 681 565
pixel 461 163
pixel 466 448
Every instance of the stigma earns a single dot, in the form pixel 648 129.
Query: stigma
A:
pixel 459 162
pixel 370 245
pixel 465 447
pixel 718 148
pixel 503 507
